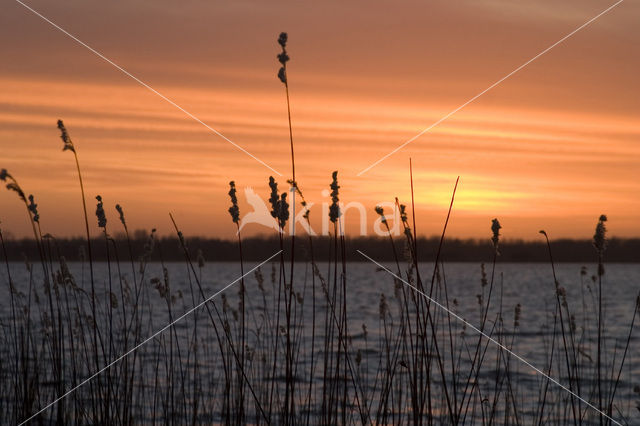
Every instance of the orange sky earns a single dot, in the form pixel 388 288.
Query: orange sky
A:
pixel 552 147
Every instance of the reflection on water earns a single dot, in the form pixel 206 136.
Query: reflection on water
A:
pixel 183 375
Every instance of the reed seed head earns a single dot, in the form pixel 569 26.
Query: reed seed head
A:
pixel 562 292
pixel 66 139
pixel 403 212
pixel 150 244
pixel 13 186
pixel 283 210
pixel 234 210
pixel 294 185
pixel 303 203
pixel 495 228
pixel 599 238
pixel 282 75
pixel 4 174
pixel 102 218
pixel 161 286
pixel 334 209
pixel 404 218
pixel 121 213
pixel 283 58
pixel 383 307
pixel 33 208
pixel 483 278
pixel 282 39
pixel 274 198
pixel 380 212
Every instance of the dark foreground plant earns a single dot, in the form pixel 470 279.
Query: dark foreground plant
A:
pixel 261 356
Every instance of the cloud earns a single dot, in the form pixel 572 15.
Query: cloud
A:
pixel 364 78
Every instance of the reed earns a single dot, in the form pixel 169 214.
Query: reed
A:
pixel 289 350
pixel 415 346
pixel 599 242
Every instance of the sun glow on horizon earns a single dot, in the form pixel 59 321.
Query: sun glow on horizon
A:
pixel 546 147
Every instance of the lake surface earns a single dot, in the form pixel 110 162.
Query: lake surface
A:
pixel 460 287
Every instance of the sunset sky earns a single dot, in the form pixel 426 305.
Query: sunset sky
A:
pixel 552 147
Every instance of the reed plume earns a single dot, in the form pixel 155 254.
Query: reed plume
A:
pixel 234 211
pixel 68 145
pixel 600 244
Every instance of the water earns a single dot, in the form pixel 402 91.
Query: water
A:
pixel 163 391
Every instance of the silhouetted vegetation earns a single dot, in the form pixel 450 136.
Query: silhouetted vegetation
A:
pixel 454 250
pixel 97 349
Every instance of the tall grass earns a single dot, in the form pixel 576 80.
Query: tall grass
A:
pixel 285 348
pixel 233 366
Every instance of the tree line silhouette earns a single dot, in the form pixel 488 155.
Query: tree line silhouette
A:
pixel 625 250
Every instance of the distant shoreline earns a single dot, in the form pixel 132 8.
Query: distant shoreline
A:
pixel 257 248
